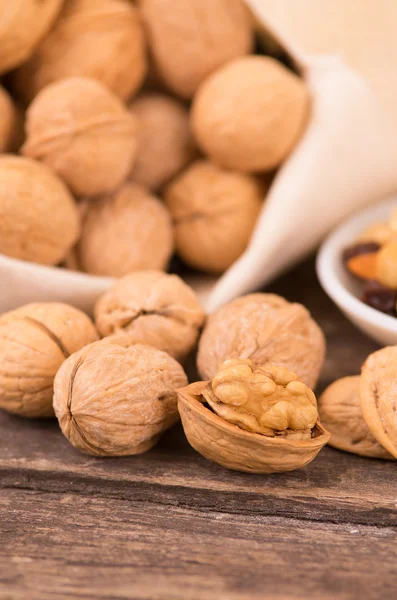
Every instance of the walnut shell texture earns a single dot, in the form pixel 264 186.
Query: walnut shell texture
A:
pixel 152 308
pixel 34 341
pixel 84 133
pixel 39 220
pixel 102 39
pixel 378 396
pixel 23 24
pixel 112 400
pixel 214 211
pixel 189 40
pixel 8 121
pixel 127 231
pixel 237 449
pixel 165 142
pixel 249 114
pixel 340 413
pixel 266 329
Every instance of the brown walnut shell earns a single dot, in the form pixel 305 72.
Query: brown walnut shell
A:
pixel 237 449
pixel 34 341
pixel 340 412
pixel 116 400
pixel 102 39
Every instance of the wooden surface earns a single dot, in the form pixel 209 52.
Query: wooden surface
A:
pixel 171 525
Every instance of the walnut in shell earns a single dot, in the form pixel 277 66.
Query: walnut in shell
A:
pixel 249 114
pixel 378 395
pixel 264 328
pixel 23 24
pixel 39 220
pixel 115 400
pixel 340 413
pixel 152 308
pixel 127 231
pixel 34 341
pixel 214 211
pixel 83 132
pixel 8 121
pixel 165 143
pixel 189 40
pixel 253 419
pixel 102 39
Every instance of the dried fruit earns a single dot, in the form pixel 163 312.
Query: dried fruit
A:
pixel 214 211
pixel 264 328
pixel 380 297
pixel 127 231
pixel 113 400
pixel 84 133
pixel 8 121
pixel 379 233
pixel 189 40
pixel 152 308
pixel 360 259
pixel 249 114
pixel 340 413
pixel 378 394
pixel 39 220
pixel 386 265
pixel 165 143
pixel 23 24
pixel 264 419
pixel 103 39
pixel 34 342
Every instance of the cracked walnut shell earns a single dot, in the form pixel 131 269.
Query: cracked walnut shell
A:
pixel 115 400
pixel 253 419
pixel 34 341
pixel 264 328
pixel 39 220
pixel 189 40
pixel 249 114
pixel 215 212
pixel 152 308
pixel 84 133
pixel 378 395
pixel 340 412
pixel 102 39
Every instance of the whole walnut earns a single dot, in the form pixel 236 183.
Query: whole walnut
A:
pixel 264 328
pixel 152 308
pixel 102 39
pixel 214 212
pixel 340 412
pixel 84 133
pixel 249 114
pixel 39 220
pixel 8 121
pixel 165 143
pixel 23 24
pixel 127 231
pixel 189 40
pixel 115 400
pixel 34 341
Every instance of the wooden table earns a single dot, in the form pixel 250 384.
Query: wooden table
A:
pixel 171 525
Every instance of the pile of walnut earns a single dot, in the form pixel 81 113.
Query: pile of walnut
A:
pixel 143 136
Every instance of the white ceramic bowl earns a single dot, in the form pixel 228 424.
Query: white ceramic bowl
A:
pixel 343 288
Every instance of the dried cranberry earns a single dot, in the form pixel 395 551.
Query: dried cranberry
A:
pixel 380 297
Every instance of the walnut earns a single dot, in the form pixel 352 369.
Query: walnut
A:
pixel 39 220
pixel 84 133
pixel 249 114
pixel 8 121
pixel 113 400
pixel 23 25
pixel 378 393
pixel 340 412
pixel 165 143
pixel 214 212
pixel 263 328
pixel 152 308
pixel 127 231
pixel 102 39
pixel 34 342
pixel 263 419
pixel 189 40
